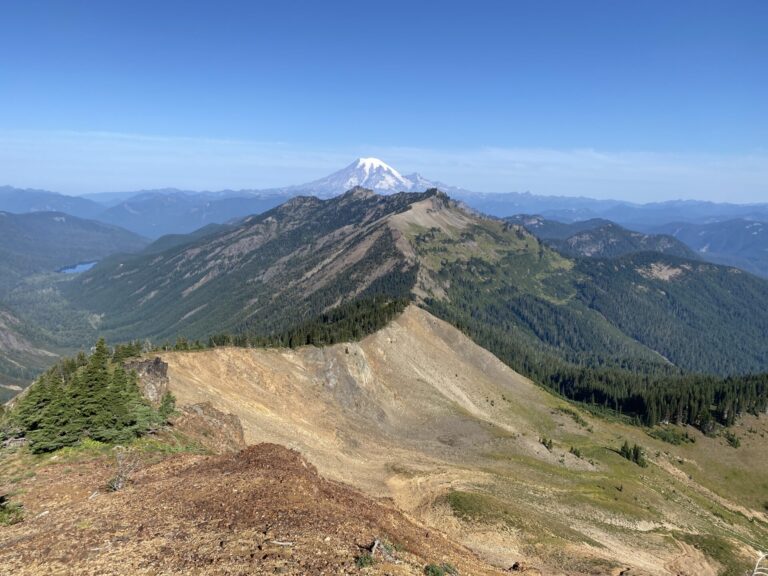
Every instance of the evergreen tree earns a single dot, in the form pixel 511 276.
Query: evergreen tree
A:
pixel 89 391
pixel 112 417
pixel 637 456
pixel 29 411
pixel 167 405
pixel 84 397
pixel 626 451
pixel 57 428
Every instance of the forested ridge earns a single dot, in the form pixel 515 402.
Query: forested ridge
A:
pixel 346 323
pixel 649 393
pixel 270 273
pixel 703 318
pixel 598 238
pixel 655 337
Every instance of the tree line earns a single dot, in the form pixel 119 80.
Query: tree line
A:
pixel 348 322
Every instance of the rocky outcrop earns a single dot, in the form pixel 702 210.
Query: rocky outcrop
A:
pixel 153 377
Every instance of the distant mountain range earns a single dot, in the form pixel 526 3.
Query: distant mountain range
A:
pixel 741 243
pixel 155 213
pixel 372 174
pixel 19 201
pixel 159 212
pixel 598 238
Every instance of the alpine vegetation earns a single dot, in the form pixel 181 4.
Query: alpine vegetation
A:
pixel 83 397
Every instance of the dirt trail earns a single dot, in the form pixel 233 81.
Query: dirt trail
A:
pixel 691 562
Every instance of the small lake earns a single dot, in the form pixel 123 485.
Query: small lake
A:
pixel 77 268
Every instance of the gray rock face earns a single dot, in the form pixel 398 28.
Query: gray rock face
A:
pixel 153 377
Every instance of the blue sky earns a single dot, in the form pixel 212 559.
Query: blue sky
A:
pixel 607 98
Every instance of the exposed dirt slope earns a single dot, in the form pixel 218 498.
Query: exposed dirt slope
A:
pixel 416 386
pixel 419 413
pixel 260 511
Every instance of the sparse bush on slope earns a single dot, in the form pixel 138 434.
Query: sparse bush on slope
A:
pixel 10 512
pixel 634 454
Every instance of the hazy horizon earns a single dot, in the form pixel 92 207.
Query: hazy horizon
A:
pixel 639 102
pixel 314 174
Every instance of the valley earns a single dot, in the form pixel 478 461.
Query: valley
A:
pixel 37 325
pixel 49 241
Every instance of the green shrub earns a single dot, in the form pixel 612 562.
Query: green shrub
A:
pixel 440 570
pixel 167 405
pixel 671 435
pixel 574 415
pixel 10 512
pixel 364 560
pixel 575 451
pixel 732 439
pixel 634 454
pixel 547 443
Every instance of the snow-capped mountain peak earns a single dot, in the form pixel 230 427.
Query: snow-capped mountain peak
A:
pixel 372 164
pixel 421 183
pixel 370 173
pixel 374 174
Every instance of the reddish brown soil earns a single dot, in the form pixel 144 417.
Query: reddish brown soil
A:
pixel 263 510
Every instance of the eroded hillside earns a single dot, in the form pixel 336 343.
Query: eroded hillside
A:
pixel 419 413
